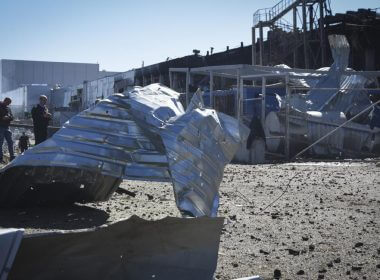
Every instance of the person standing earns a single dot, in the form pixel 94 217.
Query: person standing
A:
pixel 41 118
pixel 23 142
pixel 5 120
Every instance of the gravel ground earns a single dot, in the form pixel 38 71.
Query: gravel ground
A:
pixel 325 226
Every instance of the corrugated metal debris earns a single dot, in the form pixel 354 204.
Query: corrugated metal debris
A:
pixel 171 248
pixel 144 134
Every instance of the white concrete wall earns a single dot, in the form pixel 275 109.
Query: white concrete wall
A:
pixel 24 98
pixel 102 88
pixel 15 73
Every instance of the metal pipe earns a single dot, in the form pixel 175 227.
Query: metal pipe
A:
pixel 332 131
pixel 253 99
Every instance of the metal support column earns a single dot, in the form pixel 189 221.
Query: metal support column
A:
pixel 261 44
pixel 287 112
pixel 211 89
pixel 304 27
pixel 174 78
pixel 322 32
pixel 311 17
pixel 171 79
pixel 187 87
pixel 253 45
pixel 191 78
pixel 237 99
pixel 263 97
pixel 241 99
pixel 295 52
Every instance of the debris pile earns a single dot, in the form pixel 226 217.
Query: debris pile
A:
pixel 335 98
pixel 144 134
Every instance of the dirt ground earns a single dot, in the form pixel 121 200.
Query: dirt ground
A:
pixel 325 226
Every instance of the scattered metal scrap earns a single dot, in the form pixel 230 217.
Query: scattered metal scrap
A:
pixel 144 134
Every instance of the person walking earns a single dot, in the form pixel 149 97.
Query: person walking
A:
pixel 23 142
pixel 41 118
pixel 5 120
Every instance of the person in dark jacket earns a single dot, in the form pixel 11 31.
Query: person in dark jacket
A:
pixel 41 118
pixel 23 142
pixel 5 120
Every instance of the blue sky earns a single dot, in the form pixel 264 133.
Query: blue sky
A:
pixel 120 34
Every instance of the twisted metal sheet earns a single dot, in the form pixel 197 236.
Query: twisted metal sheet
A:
pixel 141 135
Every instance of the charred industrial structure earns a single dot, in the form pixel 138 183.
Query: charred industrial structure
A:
pixel 299 43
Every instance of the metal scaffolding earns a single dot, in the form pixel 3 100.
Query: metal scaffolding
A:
pixel 310 14
pixel 244 75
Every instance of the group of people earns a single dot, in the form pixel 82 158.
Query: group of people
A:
pixel 40 116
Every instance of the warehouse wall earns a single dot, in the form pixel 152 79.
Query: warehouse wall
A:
pixel 15 73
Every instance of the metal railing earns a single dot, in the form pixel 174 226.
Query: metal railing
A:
pixel 269 14
pixel 284 25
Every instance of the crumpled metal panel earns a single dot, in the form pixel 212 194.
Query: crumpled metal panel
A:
pixel 196 160
pixel 144 134
pixel 10 240
pixel 336 91
pixel 325 89
pixel 171 248
pixel 351 99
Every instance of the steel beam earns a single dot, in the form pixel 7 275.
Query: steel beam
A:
pixel 261 44
pixel 295 52
pixel 305 44
pixel 322 32
pixel 253 45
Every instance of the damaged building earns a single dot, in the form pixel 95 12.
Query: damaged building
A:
pixel 182 121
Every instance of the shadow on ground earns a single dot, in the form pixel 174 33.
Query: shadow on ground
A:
pixel 69 217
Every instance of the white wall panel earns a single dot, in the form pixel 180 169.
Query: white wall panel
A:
pixel 15 73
